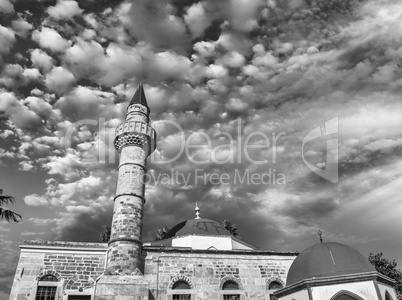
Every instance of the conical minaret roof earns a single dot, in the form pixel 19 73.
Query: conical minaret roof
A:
pixel 139 97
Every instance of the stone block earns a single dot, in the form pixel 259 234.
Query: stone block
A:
pixel 115 287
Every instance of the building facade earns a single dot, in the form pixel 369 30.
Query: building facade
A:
pixel 70 270
pixel 196 259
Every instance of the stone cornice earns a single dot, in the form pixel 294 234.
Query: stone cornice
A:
pixel 385 279
pixel 60 246
pixel 230 252
pixel 63 244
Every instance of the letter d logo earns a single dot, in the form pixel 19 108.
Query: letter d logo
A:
pixel 330 172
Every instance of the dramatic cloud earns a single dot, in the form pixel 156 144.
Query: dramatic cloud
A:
pixel 19 114
pixel 35 200
pixel 154 21
pixel 6 7
pixel 196 19
pixel 21 27
pixel 50 39
pixel 244 14
pixel 59 80
pixel 41 60
pixel 7 39
pixel 32 74
pixel 6 133
pixel 85 102
pixel 64 9
pixel 41 222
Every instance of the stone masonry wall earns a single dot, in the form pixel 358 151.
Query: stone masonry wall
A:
pixel 206 273
pixel 73 268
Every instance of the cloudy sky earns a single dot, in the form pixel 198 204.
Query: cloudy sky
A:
pixel 215 73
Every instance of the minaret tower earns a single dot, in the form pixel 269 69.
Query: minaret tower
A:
pixel 135 141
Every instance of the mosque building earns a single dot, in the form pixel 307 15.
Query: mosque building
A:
pixel 197 259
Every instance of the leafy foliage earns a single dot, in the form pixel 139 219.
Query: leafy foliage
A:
pixel 105 235
pixel 5 213
pixel 230 227
pixel 387 268
pixel 160 235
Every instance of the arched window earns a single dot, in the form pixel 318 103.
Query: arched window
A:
pixel 48 277
pixel 273 286
pixel 345 295
pixel 388 296
pixel 181 285
pixel 47 288
pixel 230 285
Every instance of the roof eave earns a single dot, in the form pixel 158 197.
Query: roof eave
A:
pixel 328 280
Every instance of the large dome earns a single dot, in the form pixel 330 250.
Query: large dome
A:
pixel 327 259
pixel 201 234
pixel 197 227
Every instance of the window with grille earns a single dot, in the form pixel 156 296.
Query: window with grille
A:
pixel 46 293
pixel 181 297
pixel 79 297
pixel 181 285
pixel 274 285
pixel 231 297
pixel 231 285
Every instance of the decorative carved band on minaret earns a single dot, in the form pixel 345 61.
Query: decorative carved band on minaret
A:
pixel 135 133
pixel 135 141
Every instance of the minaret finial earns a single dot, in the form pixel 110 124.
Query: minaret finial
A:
pixel 197 211
pixel 320 235
pixel 139 96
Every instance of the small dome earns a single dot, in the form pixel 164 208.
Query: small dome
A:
pixel 327 259
pixel 197 227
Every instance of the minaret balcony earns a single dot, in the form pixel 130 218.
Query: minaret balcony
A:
pixel 135 133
